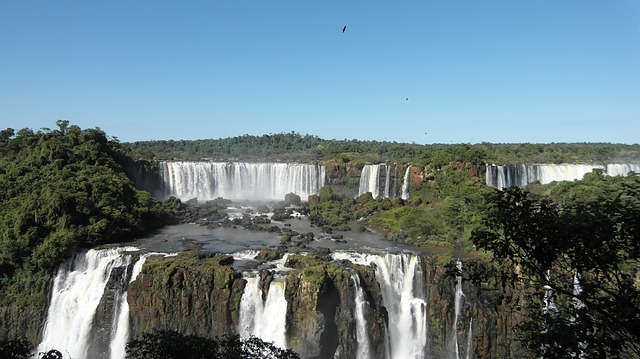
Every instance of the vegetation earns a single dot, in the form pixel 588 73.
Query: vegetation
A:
pixel 306 148
pixel 578 250
pixel 170 345
pixel 61 190
pixel 173 345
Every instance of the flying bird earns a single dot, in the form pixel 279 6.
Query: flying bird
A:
pixel 344 28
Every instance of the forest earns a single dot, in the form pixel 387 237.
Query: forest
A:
pixel 62 190
pixel 293 146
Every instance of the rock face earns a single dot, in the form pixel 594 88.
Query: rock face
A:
pixel 467 313
pixel 187 294
pixel 201 296
pixel 321 309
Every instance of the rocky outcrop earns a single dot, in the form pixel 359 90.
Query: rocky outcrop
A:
pixel 321 299
pixel 190 294
pixel 196 294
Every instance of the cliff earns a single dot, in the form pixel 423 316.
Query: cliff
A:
pixel 196 294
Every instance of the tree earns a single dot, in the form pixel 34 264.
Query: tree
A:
pixel 580 262
pixel 169 344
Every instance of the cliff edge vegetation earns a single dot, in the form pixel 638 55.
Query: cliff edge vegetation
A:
pixel 61 190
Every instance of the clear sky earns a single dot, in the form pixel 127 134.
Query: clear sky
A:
pixel 428 71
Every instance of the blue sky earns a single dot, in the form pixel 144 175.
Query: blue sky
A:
pixel 446 71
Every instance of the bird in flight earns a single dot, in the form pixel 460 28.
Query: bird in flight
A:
pixel 344 28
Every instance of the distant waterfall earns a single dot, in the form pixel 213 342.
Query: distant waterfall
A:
pixel 77 290
pixel 622 169
pixel 379 180
pixel 369 180
pixel 406 182
pixel 502 176
pixel 401 280
pixel 264 318
pixel 239 180
pixel 362 334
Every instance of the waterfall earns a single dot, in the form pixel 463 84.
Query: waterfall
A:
pixel 405 183
pixel 401 280
pixel 239 180
pixel 362 334
pixel 458 295
pixel 263 318
pixel 369 180
pixel 470 339
pixel 77 290
pixel 622 169
pixel 501 176
pixel 121 323
pixel 522 175
pixel 387 181
pixel 402 283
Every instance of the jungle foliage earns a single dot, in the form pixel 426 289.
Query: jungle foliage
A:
pixel 578 249
pixel 61 190
pixel 173 345
pixel 307 148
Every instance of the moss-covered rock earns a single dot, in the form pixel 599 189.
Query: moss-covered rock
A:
pixel 191 294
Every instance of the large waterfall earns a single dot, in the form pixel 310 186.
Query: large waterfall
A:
pixel 262 317
pixel 78 288
pixel 239 180
pixel 502 176
pixel 380 180
pixel 401 280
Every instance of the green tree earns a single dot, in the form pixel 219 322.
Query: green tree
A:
pixel 580 262
pixel 173 345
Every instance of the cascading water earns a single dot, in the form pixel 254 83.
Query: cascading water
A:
pixel 502 176
pixel 470 340
pixel 387 181
pixel 401 280
pixel 238 180
pixel 405 183
pixel 264 318
pixel 362 334
pixel 77 290
pixel 369 180
pixel 121 321
pixel 622 169
pixel 459 295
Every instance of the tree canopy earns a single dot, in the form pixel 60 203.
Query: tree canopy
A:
pixel 579 257
pixel 60 190
pixel 173 345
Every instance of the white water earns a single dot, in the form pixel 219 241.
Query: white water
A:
pixel 369 180
pixel 405 183
pixel 245 255
pixel 76 293
pixel 387 181
pixel 402 283
pixel 521 175
pixel 362 334
pixel 120 334
pixel 456 314
pixel 470 340
pixel 239 180
pixel 622 169
pixel 265 319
